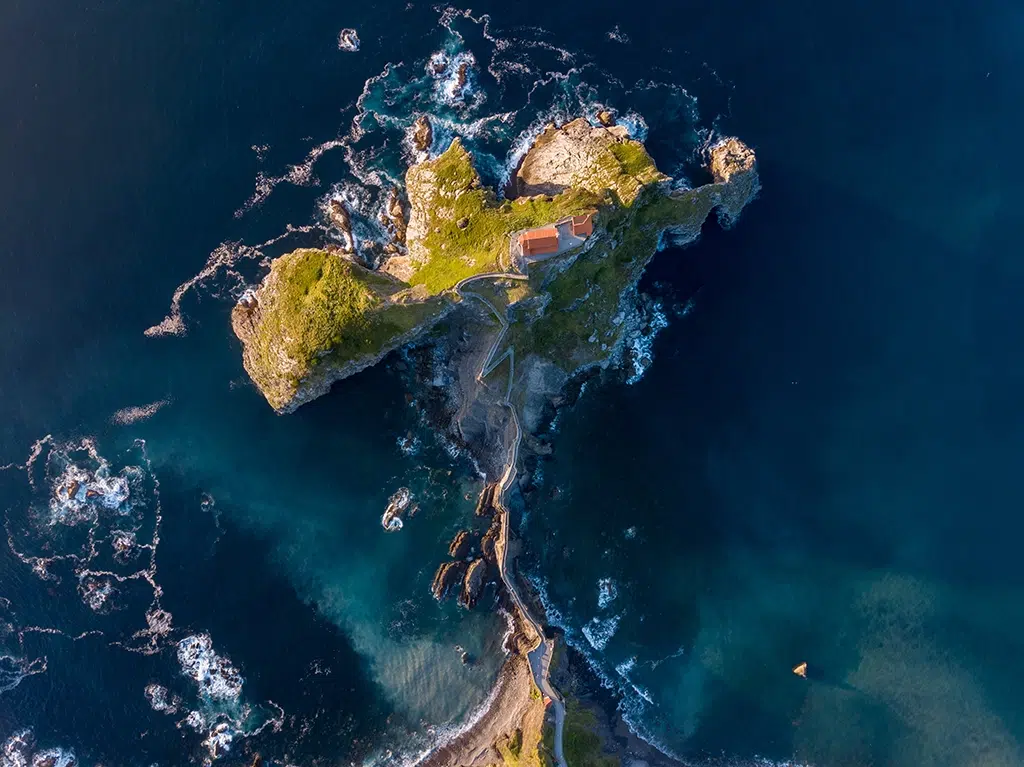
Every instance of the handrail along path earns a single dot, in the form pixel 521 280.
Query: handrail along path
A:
pixel 538 656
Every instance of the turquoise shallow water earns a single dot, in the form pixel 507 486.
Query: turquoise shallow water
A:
pixel 820 464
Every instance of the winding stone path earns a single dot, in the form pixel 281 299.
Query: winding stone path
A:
pixel 540 655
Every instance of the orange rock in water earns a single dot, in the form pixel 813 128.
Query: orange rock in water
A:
pixel 800 669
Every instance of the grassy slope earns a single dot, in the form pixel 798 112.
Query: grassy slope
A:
pixel 585 297
pixel 325 307
pixel 482 246
pixel 581 744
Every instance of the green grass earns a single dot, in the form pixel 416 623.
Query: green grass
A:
pixel 482 245
pixel 585 298
pixel 581 744
pixel 660 211
pixel 634 160
pixel 328 308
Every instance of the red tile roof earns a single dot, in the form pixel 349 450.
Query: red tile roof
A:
pixel 539 241
pixel 583 226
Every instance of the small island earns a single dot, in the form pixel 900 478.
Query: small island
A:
pixel 522 293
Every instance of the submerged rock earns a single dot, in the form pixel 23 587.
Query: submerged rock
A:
pixel 422 134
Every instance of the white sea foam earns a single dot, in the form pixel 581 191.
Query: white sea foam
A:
pixel 217 679
pixel 348 40
pixel 160 699
pixel 635 125
pixel 129 415
pixel 19 750
pixel 629 533
pixel 599 631
pixel 617 35
pixel 640 342
pixel 14 669
pixel 607 592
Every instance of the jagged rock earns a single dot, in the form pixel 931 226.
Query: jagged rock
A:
pixel 535 445
pixel 467 659
pixel 422 134
pixel 606 118
pixel 396 214
pixel 448 576
pixel 489 542
pixel 473 583
pixel 461 77
pixel 397 505
pixel 460 545
pixel 257 761
pixel 734 167
pixel 341 219
pixel 570 156
pixel 348 40
pixel 485 502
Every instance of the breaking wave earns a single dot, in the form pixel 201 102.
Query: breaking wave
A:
pixel 20 750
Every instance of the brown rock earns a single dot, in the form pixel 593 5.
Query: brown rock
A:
pixel 460 545
pixel 462 223
pixel 392 218
pixel 566 157
pixel 484 505
pixel 422 134
pixel 473 584
pixel 447 577
pixel 606 118
pixel 341 219
pixel 734 167
pixel 489 542
pixel 461 77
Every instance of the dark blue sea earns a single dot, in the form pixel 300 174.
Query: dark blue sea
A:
pixel 819 461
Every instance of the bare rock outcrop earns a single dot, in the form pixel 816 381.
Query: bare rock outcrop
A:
pixel 447 578
pixel 422 134
pixel 392 217
pixel 488 543
pixel 473 584
pixel 461 545
pixel 566 157
pixel 343 223
pixel 734 168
